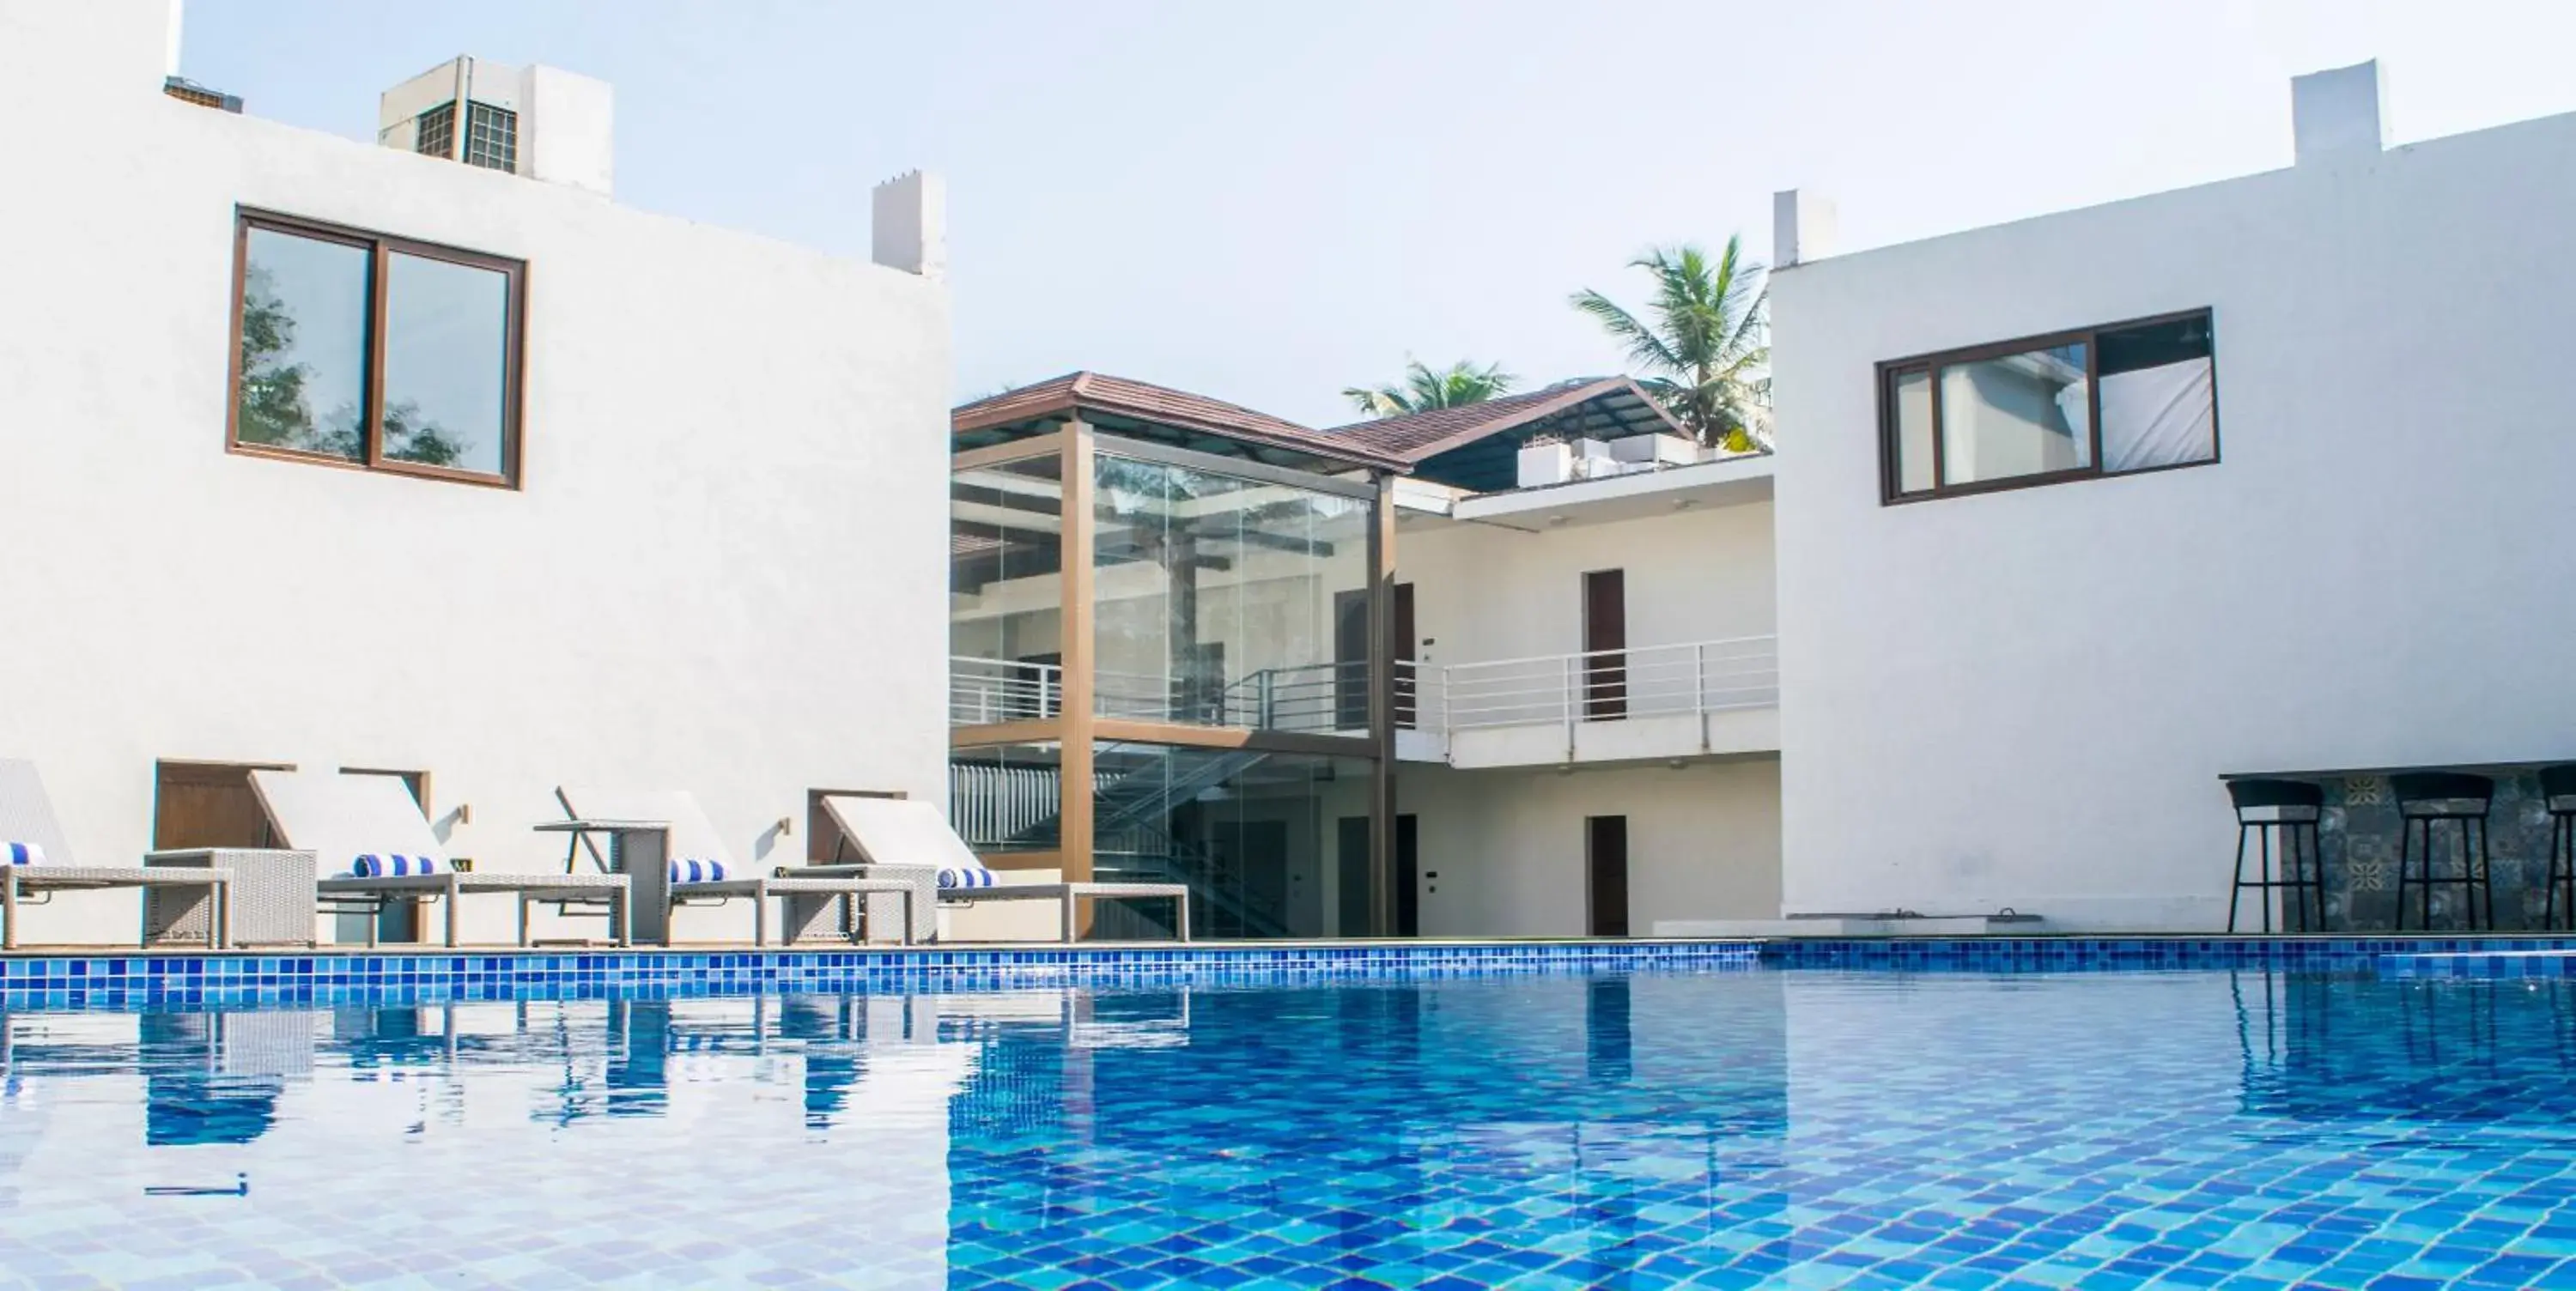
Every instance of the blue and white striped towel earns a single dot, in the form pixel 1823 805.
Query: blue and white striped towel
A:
pixel 396 865
pixel 21 854
pixel 964 877
pixel 697 871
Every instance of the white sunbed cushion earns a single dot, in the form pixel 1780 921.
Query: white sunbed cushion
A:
pixel 340 818
pixel 395 865
pixel 697 871
pixel 901 831
pixel 21 854
pixel 967 876
pixel 692 835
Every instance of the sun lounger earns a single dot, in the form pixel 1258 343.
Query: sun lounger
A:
pixel 695 865
pixel 908 832
pixel 35 859
pixel 373 847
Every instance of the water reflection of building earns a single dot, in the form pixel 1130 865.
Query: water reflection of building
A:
pixel 1376 1111
pixel 2351 1049
pixel 217 1077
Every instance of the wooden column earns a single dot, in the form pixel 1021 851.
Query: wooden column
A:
pixel 1381 708
pixel 1074 774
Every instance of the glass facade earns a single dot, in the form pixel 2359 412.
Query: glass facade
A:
pixel 1253 833
pixel 1231 602
pixel 1226 740
pixel 1006 592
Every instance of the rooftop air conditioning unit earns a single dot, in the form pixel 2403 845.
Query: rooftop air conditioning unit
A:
pixel 1655 450
pixel 1545 464
pixel 488 115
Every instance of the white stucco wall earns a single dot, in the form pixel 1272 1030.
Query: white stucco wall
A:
pixel 724 571
pixel 1507 846
pixel 1484 592
pixel 2026 698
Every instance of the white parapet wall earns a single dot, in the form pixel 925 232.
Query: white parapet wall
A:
pixel 2026 698
pixel 722 568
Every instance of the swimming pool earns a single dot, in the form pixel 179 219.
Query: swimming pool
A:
pixel 1707 1124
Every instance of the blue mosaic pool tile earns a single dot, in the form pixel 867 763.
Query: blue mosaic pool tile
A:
pixel 134 980
pixel 140 979
pixel 2125 954
pixel 2500 962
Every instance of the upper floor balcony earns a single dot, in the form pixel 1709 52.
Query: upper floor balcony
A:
pixel 1642 703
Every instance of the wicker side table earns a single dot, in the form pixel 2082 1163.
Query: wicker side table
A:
pixel 272 896
pixel 883 908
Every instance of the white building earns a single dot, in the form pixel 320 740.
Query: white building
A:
pixel 603 497
pixel 1580 730
pixel 2004 696
pixel 1587 599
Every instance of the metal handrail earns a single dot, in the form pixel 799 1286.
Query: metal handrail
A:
pixel 1694 678
pixel 1308 697
pixel 985 692
pixel 1699 677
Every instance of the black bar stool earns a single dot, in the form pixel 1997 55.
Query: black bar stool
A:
pixel 2424 797
pixel 2289 809
pixel 2558 794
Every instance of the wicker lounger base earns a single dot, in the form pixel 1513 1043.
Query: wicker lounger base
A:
pixel 15 879
pixel 1071 894
pixel 611 888
pixel 760 890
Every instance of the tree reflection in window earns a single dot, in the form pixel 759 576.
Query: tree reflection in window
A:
pixel 308 363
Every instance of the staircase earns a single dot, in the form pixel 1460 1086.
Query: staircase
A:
pixel 1218 902
pixel 1006 808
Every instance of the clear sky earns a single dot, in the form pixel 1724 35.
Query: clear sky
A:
pixel 1268 203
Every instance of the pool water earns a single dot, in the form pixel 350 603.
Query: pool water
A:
pixel 1743 1128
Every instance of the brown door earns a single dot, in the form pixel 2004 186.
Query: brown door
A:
pixel 1265 869
pixel 1408 877
pixel 1606 858
pixel 1352 845
pixel 207 804
pixel 1605 639
pixel 1404 641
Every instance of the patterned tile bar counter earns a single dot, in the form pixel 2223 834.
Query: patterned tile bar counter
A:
pixel 2359 839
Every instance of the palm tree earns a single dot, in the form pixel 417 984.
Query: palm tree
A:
pixel 1424 389
pixel 1707 352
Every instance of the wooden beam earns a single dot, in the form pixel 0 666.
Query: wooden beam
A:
pixel 1035 730
pixel 1075 724
pixel 1381 707
pixel 1131 731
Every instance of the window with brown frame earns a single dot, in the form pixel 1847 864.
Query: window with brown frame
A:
pixel 366 350
pixel 2111 400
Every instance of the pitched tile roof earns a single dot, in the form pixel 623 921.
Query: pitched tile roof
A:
pixel 1161 405
pixel 1418 436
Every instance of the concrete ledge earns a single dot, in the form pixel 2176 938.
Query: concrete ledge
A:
pixel 1830 926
